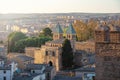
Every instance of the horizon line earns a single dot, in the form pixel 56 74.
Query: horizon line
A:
pixel 63 12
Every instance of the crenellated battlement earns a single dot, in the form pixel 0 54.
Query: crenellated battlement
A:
pixel 107 34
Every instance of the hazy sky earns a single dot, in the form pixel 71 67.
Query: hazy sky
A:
pixel 59 6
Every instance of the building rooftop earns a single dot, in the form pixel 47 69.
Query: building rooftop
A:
pixel 36 66
pixel 58 29
pixel 5 67
pixel 59 77
pixel 70 30
pixel 85 69
pixel 25 58
pixel 20 56
pixel 59 41
pixel 107 28
pixel 30 77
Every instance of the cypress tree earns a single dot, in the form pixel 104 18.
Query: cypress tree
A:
pixel 67 55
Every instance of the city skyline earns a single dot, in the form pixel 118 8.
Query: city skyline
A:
pixel 59 6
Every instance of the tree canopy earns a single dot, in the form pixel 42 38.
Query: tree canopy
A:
pixel 17 41
pixel 13 38
pixel 85 30
pixel 30 42
pixel 67 54
pixel 46 32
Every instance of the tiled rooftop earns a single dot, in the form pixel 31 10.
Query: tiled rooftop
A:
pixel 25 58
pixel 58 29
pixel 70 30
pixel 58 77
pixel 36 66
pixel 59 41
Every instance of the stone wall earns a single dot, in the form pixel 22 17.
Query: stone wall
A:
pixel 86 46
pixel 29 51
pixel 108 58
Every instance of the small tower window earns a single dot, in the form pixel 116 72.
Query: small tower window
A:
pixel 46 53
pixel 53 53
pixel 69 36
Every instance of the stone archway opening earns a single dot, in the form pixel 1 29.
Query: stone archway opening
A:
pixel 50 63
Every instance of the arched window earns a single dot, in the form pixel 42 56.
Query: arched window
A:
pixel 50 63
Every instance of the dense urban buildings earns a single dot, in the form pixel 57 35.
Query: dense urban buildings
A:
pixel 51 52
pixel 96 57
pixel 32 24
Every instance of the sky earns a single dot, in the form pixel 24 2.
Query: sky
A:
pixel 59 6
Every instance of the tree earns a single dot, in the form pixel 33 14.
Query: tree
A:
pixel 13 38
pixel 30 42
pixel 81 30
pixel 85 31
pixel 47 32
pixel 67 54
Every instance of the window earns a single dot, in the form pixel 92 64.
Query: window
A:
pixel 53 53
pixel 4 78
pixel 107 58
pixel 4 71
pixel 74 36
pixel 46 53
pixel 33 71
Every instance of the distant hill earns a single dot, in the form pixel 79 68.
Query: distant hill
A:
pixel 38 15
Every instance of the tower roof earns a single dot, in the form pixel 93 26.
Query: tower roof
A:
pixel 107 28
pixel 70 29
pixel 58 29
